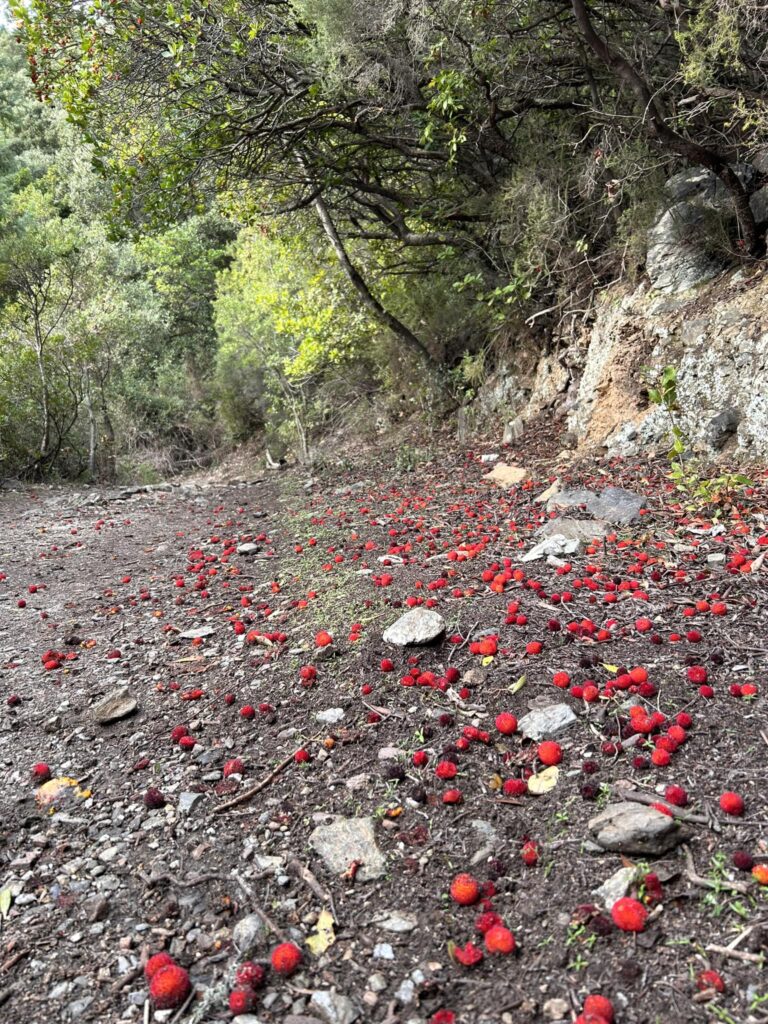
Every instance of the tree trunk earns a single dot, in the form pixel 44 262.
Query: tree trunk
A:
pixel 109 471
pixel 369 300
pixel 686 148
pixel 45 440
pixel 91 426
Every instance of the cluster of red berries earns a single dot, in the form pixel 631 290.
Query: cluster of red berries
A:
pixel 497 938
pixel 169 984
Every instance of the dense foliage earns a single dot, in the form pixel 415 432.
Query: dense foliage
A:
pixel 409 174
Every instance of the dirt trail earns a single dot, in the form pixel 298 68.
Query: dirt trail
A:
pixel 110 589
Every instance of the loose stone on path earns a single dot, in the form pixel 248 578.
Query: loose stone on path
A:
pixel 418 626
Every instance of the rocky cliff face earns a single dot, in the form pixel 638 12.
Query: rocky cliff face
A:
pixel 711 324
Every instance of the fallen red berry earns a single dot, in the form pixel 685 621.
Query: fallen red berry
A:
pixel 549 752
pixel 732 803
pixel 499 940
pixel 169 987
pixel 285 958
pixel 676 795
pixel 40 772
pixel 465 890
pixel 599 1005
pixel 710 980
pixel 242 1000
pixel 251 974
pixel 233 767
pixel 506 723
pixel 468 955
pixel 629 914
pixel 154 799
pixel 155 962
pixel 742 860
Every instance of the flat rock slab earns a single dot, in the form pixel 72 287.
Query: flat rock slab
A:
pixel 418 626
pixel 114 706
pixel 634 828
pixel 507 476
pixel 546 722
pixel 346 840
pixel 614 504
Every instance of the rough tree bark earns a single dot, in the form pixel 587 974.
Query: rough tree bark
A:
pixel 691 151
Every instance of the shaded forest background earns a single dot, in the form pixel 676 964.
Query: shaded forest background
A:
pixel 223 218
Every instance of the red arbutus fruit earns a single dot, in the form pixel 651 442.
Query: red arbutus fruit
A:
pixel 420 758
pixel 500 940
pixel 599 1005
pixel 710 980
pixel 452 796
pixel 530 853
pixel 178 732
pixel 446 770
pixel 465 890
pixel 154 799
pixel 285 958
pixel 697 674
pixel 234 766
pixel 187 743
pixel 169 987
pixel 486 921
pixel 514 787
pixel 506 723
pixel 242 1000
pixel 468 955
pixel 153 965
pixel 443 1017
pixel 742 860
pixel 676 795
pixel 549 752
pixel 251 974
pixel 323 638
pixel 629 914
pixel 760 873
pixel 732 803
pixel 40 772
pixel 301 756
pixel 248 712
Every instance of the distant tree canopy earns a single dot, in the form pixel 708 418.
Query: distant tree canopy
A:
pixel 459 161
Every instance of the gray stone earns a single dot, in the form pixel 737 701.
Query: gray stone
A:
pixel 189 801
pixel 514 429
pixel 759 203
pixel 615 887
pixel 115 706
pixel 634 828
pixel 721 427
pixel 334 1007
pixel 383 951
pixel 346 840
pixel 406 993
pixel 418 626
pixel 678 257
pixel 398 921
pixel 246 1018
pixel 544 723
pixel 247 549
pixel 248 933
pixel 330 716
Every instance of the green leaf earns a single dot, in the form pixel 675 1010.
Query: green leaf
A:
pixel 518 685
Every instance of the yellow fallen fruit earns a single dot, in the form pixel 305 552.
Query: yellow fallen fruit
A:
pixel 59 790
